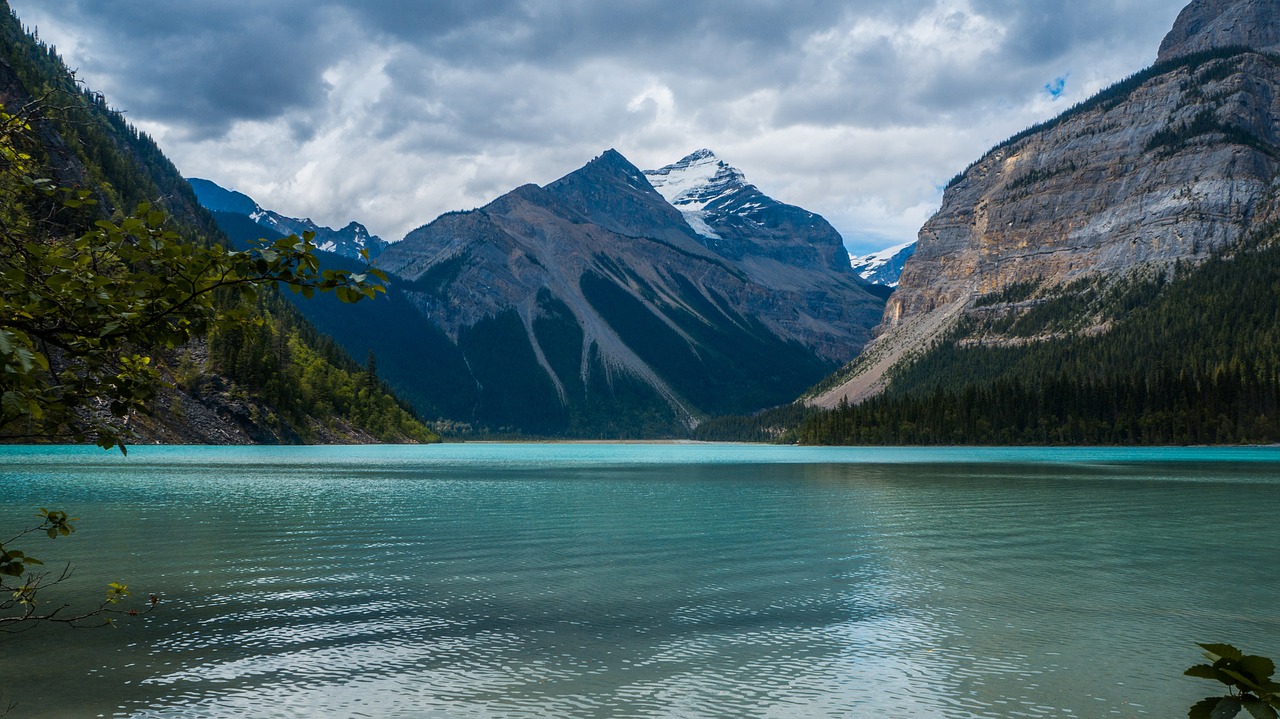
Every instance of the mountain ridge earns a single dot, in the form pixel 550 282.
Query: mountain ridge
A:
pixel 883 267
pixel 348 241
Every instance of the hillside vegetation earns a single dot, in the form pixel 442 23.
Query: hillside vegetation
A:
pixel 1192 357
pixel 297 385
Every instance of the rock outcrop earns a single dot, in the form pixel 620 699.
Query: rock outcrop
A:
pixel 1169 165
pixel 1209 24
pixel 1173 168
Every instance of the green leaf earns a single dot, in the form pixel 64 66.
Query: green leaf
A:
pixel 1227 708
pixel 1259 709
pixel 1204 671
pixel 1260 668
pixel 1222 651
pixel 11 403
pixel 1239 677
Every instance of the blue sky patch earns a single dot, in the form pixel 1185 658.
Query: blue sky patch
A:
pixel 1057 87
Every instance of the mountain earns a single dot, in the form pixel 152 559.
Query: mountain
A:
pixel 883 267
pixel 591 307
pixel 273 379
pixel 1161 170
pixel 736 220
pixel 346 242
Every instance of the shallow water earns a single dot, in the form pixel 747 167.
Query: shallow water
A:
pixel 648 580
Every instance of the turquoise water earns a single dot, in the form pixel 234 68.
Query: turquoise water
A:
pixel 648 580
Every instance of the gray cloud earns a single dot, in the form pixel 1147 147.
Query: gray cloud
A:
pixel 391 111
pixel 199 65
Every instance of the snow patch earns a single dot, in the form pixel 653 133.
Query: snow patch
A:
pixel 697 220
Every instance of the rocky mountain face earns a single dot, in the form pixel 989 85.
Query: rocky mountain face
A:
pixel 591 307
pixel 736 220
pixel 1211 24
pixel 346 242
pixel 1167 166
pixel 883 267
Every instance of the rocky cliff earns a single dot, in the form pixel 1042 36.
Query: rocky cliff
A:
pixel 1209 24
pixel 1166 166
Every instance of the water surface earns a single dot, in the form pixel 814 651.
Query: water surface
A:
pixel 649 580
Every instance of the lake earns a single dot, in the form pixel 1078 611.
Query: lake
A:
pixel 681 580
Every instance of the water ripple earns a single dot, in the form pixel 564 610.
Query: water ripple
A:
pixel 655 582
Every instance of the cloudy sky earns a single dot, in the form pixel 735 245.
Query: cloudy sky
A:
pixel 393 111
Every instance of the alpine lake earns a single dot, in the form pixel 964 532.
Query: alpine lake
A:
pixel 644 580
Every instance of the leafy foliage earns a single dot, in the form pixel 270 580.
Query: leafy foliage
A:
pixel 81 312
pixel 305 376
pixel 23 583
pixel 1248 679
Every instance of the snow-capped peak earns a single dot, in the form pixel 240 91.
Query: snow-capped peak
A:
pixel 884 266
pixel 695 181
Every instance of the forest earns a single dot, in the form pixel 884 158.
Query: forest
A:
pixel 1188 356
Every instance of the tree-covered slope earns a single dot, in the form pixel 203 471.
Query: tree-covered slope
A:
pixel 273 378
pixel 1187 357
